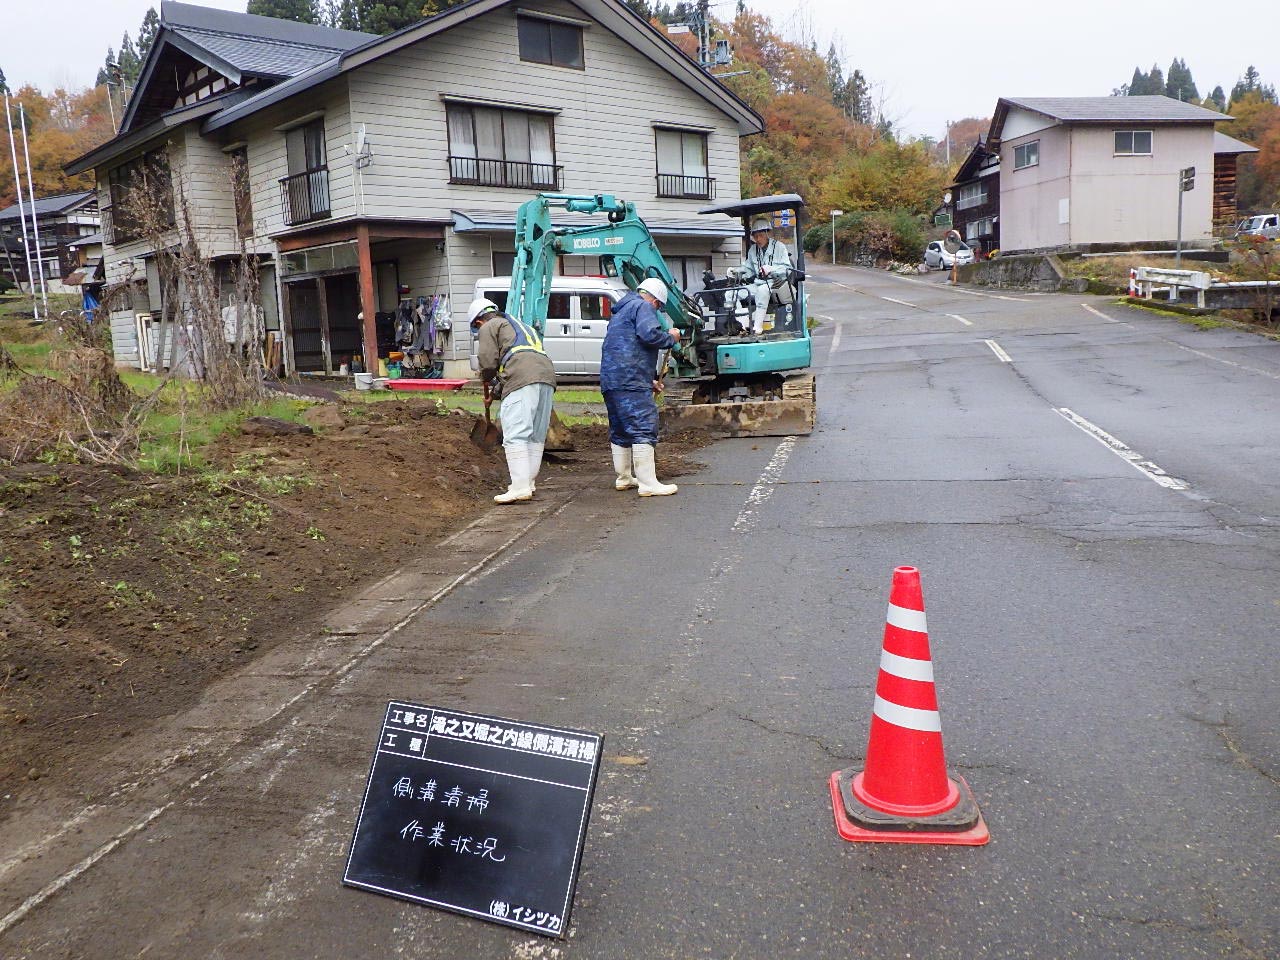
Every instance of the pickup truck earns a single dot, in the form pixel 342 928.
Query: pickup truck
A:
pixel 1262 225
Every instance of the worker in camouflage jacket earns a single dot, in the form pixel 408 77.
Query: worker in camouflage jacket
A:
pixel 510 355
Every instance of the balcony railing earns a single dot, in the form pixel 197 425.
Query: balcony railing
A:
pixel 689 188
pixel 505 173
pixel 964 202
pixel 305 196
pixel 108 224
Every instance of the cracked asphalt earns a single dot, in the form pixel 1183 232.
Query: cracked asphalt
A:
pixel 1104 641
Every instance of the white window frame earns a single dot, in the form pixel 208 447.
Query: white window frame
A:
pixel 1023 149
pixel 1133 150
pixel 971 195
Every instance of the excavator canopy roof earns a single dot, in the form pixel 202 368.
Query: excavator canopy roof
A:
pixel 755 205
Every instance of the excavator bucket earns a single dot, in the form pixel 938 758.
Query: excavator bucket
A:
pixel 792 415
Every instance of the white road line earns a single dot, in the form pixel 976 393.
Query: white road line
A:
pixel 902 302
pixel 955 289
pixel 835 339
pixel 763 489
pixel 1229 363
pixel 967 323
pixel 1133 458
pixel 998 351
pixel 1099 313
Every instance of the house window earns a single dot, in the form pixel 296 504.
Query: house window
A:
pixel 304 194
pixel 980 228
pixel 1026 155
pixel 501 148
pixel 1133 143
pixel 239 160
pixel 682 165
pixel 141 197
pixel 550 41
pixel 971 195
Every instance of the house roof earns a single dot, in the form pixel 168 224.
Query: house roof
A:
pixel 48 206
pixel 134 139
pixel 294 57
pixel 238 46
pixel 612 14
pixel 1152 109
pixel 972 167
pixel 1224 144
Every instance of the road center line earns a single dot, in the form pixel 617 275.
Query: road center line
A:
pixel 955 289
pixel 763 489
pixel 835 339
pixel 967 323
pixel 1229 363
pixel 1133 458
pixel 998 351
pixel 902 302
pixel 1099 313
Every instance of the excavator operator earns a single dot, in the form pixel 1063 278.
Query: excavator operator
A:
pixel 770 263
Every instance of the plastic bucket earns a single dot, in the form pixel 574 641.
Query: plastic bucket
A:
pixel 364 381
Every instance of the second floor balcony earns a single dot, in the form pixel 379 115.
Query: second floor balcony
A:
pixel 305 196
pixel 505 173
pixel 687 188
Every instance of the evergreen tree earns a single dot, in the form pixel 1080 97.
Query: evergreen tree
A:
pixel 147 33
pixel 1138 85
pixel 130 65
pixel 303 11
pixel 1180 85
pixel 4 86
pixel 1251 82
pixel 387 16
pixel 1155 81
pixel 1218 99
pixel 106 71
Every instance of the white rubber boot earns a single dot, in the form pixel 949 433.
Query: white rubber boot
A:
pixel 646 473
pixel 622 467
pixel 518 466
pixel 535 464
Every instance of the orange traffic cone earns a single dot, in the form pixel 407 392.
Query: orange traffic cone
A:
pixel 904 794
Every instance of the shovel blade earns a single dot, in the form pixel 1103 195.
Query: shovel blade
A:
pixel 486 435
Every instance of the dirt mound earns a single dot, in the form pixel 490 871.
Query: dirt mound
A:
pixel 122 595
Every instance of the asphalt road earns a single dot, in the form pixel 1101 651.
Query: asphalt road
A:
pixel 1103 619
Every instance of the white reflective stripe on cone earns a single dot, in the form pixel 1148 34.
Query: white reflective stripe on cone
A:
pixel 906 619
pixel 927 721
pixel 906 667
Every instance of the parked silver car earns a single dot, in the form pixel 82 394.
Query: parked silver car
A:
pixel 1262 225
pixel 937 257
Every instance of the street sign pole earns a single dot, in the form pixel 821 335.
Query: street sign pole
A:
pixel 1185 182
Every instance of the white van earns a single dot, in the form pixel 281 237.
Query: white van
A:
pixel 578 313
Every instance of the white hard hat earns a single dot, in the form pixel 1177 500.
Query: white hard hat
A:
pixel 655 288
pixel 479 308
pixel 761 224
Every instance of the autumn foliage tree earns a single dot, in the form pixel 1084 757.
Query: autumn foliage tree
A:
pixel 60 127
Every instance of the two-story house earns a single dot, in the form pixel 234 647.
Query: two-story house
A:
pixel 61 222
pixel 1083 171
pixel 374 168
pixel 975 198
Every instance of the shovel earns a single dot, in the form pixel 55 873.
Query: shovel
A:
pixel 485 433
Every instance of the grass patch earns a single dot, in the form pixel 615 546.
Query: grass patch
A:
pixel 174 439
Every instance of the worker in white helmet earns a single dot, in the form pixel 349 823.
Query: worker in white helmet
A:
pixel 771 267
pixel 628 380
pixel 511 357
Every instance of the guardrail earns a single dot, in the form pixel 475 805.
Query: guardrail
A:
pixel 1158 278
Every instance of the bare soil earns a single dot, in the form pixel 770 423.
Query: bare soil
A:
pixel 122 595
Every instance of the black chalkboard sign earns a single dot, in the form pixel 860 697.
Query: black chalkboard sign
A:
pixel 479 815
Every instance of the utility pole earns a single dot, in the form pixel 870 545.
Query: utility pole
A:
pixel 22 215
pixel 35 223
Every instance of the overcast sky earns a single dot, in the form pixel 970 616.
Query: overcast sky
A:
pixel 930 62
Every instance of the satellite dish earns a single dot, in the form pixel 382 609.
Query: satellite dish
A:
pixel 946 197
